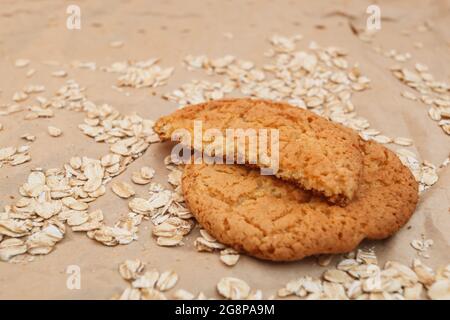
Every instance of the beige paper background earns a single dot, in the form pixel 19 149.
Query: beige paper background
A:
pixel 170 30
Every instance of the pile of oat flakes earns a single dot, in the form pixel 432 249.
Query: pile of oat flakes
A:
pixel 357 276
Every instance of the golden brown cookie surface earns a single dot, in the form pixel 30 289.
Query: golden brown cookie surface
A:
pixel 313 152
pixel 275 220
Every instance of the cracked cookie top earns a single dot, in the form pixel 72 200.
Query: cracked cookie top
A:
pixel 314 153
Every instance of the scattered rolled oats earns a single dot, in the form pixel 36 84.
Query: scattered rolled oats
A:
pixel 7 152
pixel 366 256
pixel 90 65
pixel 207 236
pixel 75 204
pixel 15 228
pixel 43 241
pixel 112 236
pixel 123 189
pixel 59 73
pixel 414 292
pixel 19 159
pixel 409 95
pixel 152 294
pixel 147 280
pixel 337 276
pixel 54 131
pixel 233 288
pixel 130 269
pixel 382 139
pixel 228 35
pixel 167 280
pixel 424 172
pixel 20 96
pixel 142 285
pixel 140 74
pixel 30 72
pixel 28 137
pixel 21 63
pixel 116 44
pixel 130 294
pixel 143 176
pixel 11 247
pixel 324 259
pixel 64 193
pixel 255 295
pixel 182 294
pixel 172 241
pixel 175 177
pixel 229 256
pixel 432 93
pixel 201 296
pixel 440 290
pixel 403 141
pixel 203 244
pixel 34 89
pixel 362 278
pixel 422 246
pixel 14 155
pixel 77 218
pixel 94 222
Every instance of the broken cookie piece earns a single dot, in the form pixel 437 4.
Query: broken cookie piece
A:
pixel 308 150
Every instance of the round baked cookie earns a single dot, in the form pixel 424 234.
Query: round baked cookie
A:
pixel 271 219
pixel 314 153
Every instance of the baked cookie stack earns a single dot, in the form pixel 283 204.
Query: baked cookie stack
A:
pixel 331 190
